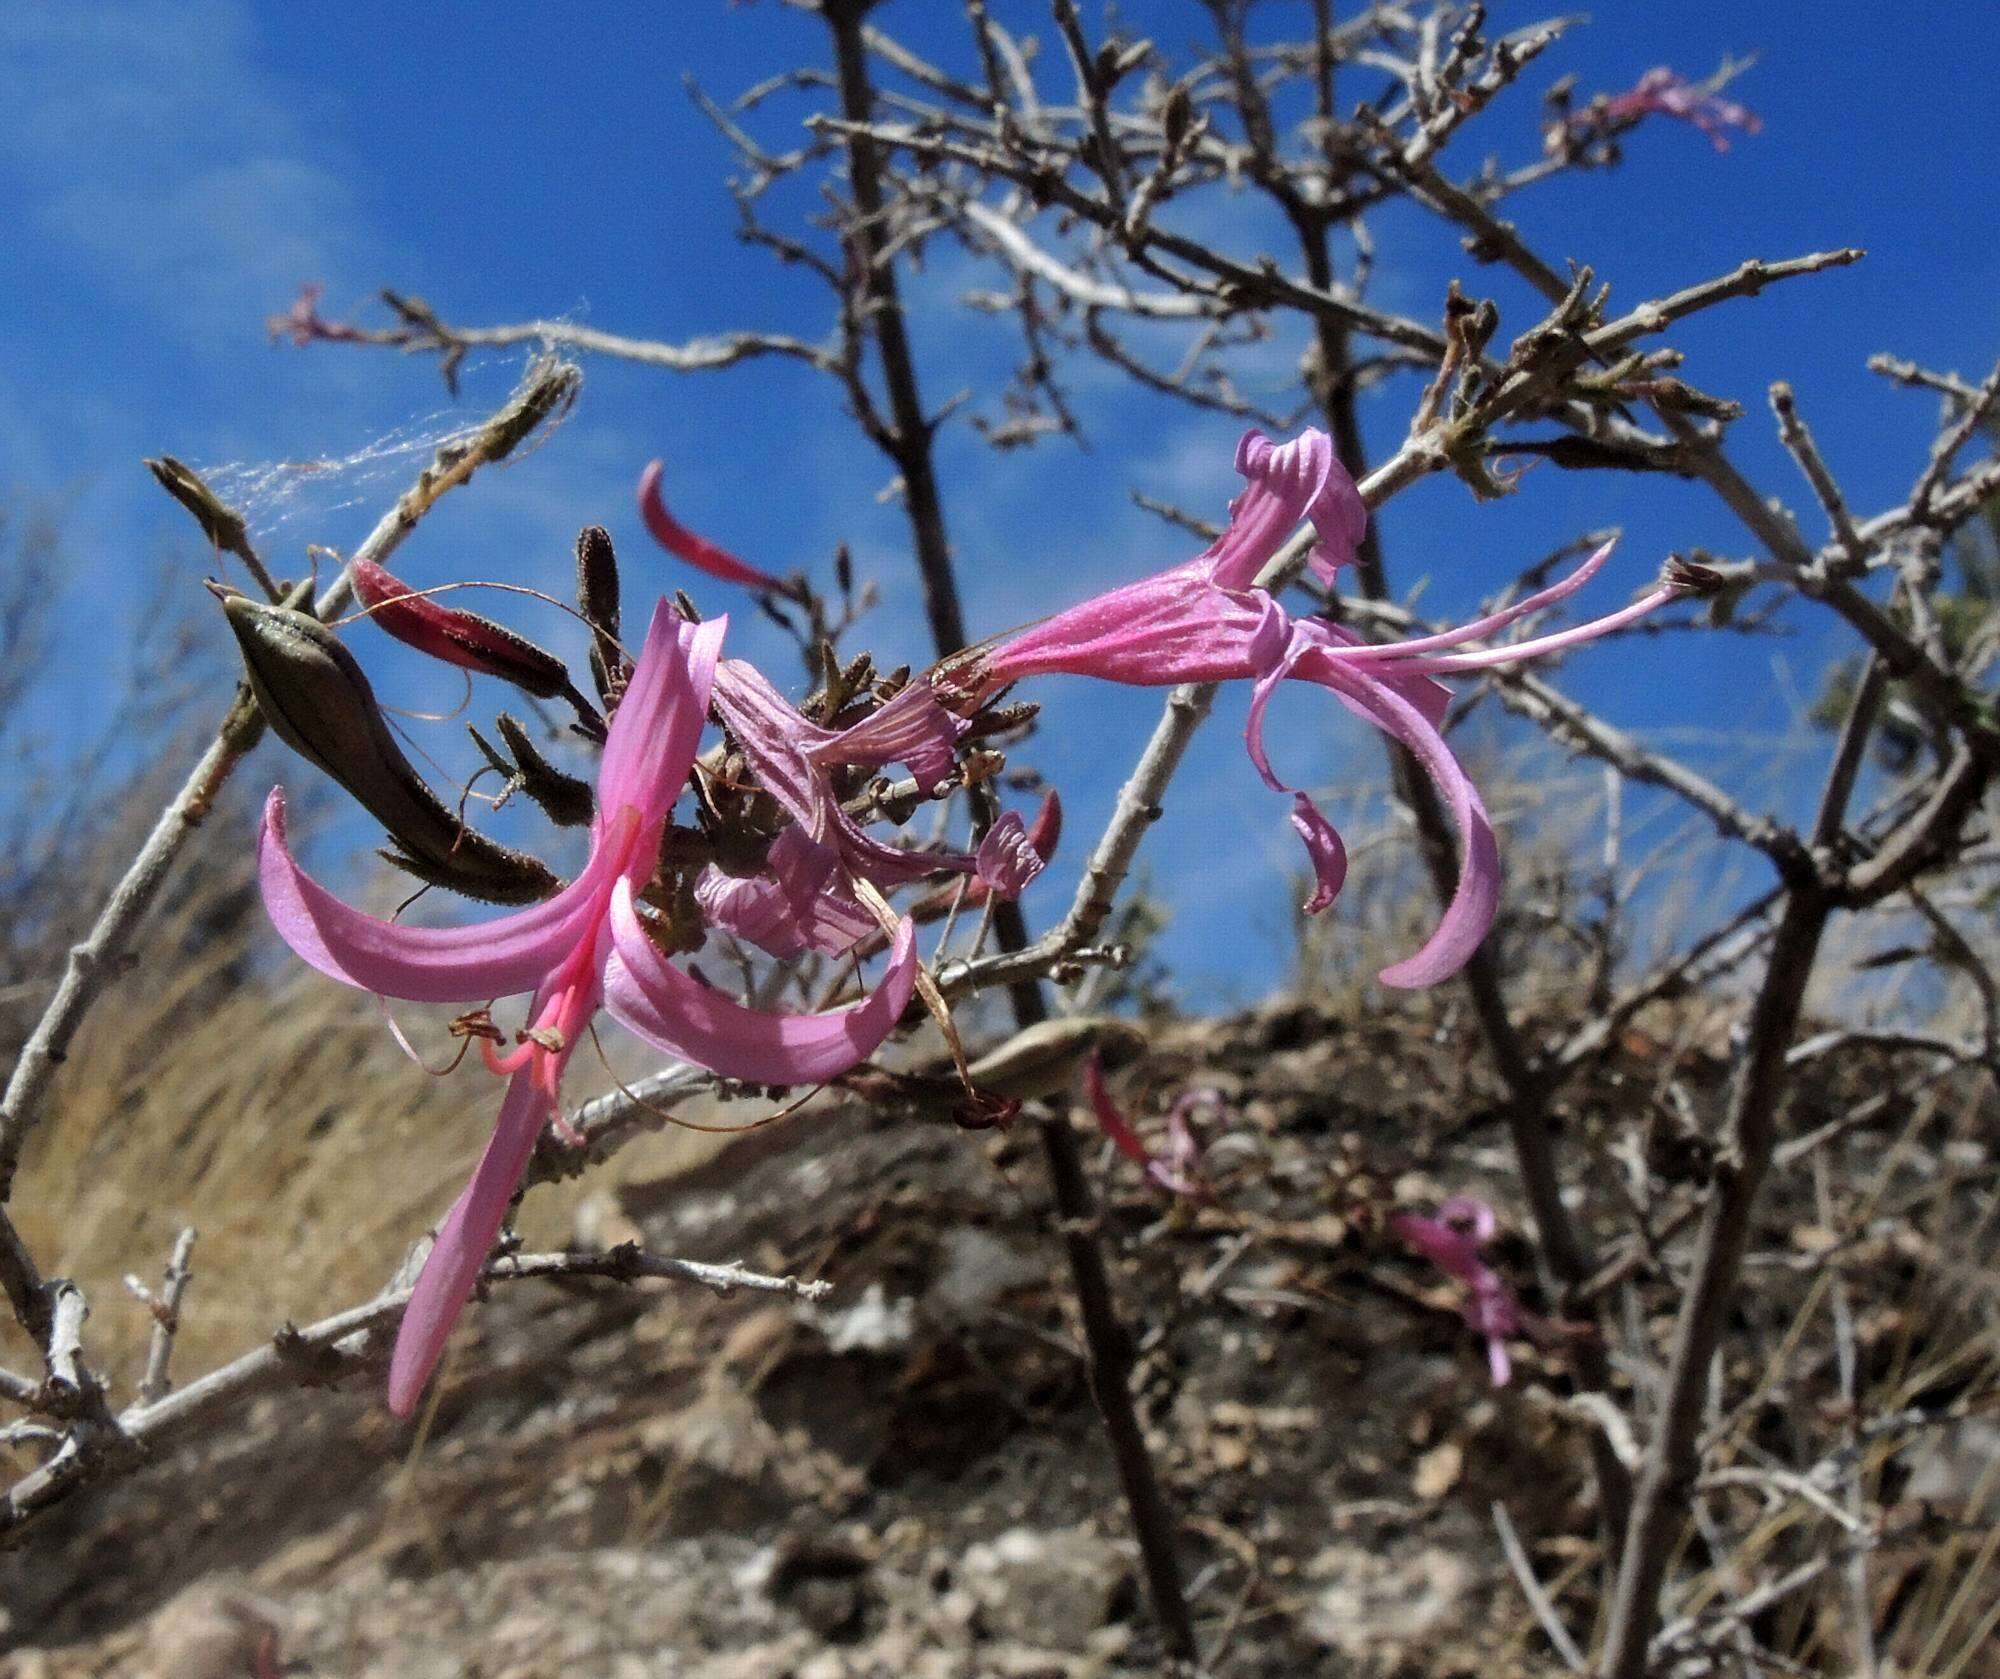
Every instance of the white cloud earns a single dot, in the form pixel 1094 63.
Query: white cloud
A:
pixel 157 161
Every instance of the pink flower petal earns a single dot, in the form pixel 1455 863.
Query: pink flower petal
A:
pixel 463 1242
pixel 1323 849
pixel 1110 1120
pixel 1008 860
pixel 911 729
pixel 791 907
pixel 420 964
pixel 780 743
pixel 698 551
pixel 1176 627
pixel 656 730
pixel 1287 482
pixel 649 996
pixel 1476 898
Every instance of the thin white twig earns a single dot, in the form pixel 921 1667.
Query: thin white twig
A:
pixel 1531 1588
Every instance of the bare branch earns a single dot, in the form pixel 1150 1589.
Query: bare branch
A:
pixel 101 957
pixel 325 1352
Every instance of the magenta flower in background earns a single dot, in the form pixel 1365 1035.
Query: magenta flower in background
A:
pixel 1452 1241
pixel 583 947
pixel 303 324
pixel 1666 92
pixel 696 549
pixel 1176 1168
pixel 1207 621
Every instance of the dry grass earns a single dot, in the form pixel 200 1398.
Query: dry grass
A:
pixel 231 1089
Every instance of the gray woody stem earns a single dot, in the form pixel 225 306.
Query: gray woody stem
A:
pixel 1750 1139
pixel 94 963
pixel 908 443
pixel 324 1352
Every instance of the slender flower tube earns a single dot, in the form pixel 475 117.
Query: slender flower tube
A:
pixel 696 549
pixel 1452 1241
pixel 458 638
pixel 568 951
pixel 1207 621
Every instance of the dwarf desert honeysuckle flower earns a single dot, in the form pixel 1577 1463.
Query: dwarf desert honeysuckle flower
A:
pixel 583 947
pixel 1177 1169
pixel 696 549
pixel 1452 1242
pixel 1207 621
pixel 801 902
pixel 1666 92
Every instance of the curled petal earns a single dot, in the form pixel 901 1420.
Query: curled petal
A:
pixel 1323 849
pixel 678 1014
pixel 657 728
pixel 421 964
pixel 1476 898
pixel 1008 859
pixel 1287 482
pixel 698 551
pixel 789 909
pixel 912 729
pixel 463 1242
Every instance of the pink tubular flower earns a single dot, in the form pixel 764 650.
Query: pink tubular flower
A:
pixel 1178 1169
pixel 585 946
pixel 697 550
pixel 458 638
pixel 1452 1241
pixel 1666 92
pixel 1207 621
pixel 800 902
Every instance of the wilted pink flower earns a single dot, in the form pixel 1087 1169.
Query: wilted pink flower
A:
pixel 583 947
pixel 1177 1168
pixel 303 324
pixel 793 906
pixel 1452 1241
pixel 696 549
pixel 1207 621
pixel 1668 93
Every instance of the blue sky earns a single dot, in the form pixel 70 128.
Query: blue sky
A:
pixel 170 173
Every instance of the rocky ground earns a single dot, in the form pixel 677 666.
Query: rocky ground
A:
pixel 906 1479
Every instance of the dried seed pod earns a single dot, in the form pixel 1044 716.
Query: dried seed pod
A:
pixel 597 598
pixel 220 522
pixel 567 799
pixel 319 703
